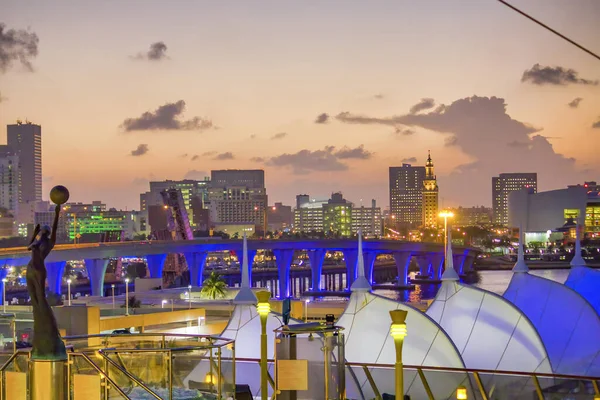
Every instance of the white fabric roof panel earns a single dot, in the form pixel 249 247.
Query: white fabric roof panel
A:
pixel 586 281
pixel 489 331
pixel 566 322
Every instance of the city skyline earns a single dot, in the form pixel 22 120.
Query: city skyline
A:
pixel 320 110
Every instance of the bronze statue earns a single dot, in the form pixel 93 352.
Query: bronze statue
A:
pixel 47 343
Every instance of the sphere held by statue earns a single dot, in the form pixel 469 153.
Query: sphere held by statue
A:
pixel 59 195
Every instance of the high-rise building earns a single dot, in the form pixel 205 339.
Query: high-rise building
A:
pixel 280 217
pixel 238 197
pixel 471 216
pixel 25 139
pixel 308 215
pixel 9 180
pixel 368 220
pixel 504 184
pixel 406 195
pixel 430 196
pixel 337 216
pixel 193 192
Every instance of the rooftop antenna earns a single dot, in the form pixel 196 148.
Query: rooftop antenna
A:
pixel 449 272
pixel 577 260
pixel 521 265
pixel 361 283
pixel 245 295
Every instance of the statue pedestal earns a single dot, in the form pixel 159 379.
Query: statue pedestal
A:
pixel 48 380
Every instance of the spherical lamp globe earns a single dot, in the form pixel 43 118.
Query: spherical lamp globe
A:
pixel 59 195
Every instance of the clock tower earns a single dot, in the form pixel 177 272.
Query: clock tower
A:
pixel 430 196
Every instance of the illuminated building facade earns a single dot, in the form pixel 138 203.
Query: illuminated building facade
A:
pixel 25 139
pixel 406 195
pixel 238 197
pixel 471 216
pixel 337 216
pixel 9 180
pixel 308 215
pixel 430 196
pixel 194 193
pixel 368 220
pixel 502 186
pixel 546 211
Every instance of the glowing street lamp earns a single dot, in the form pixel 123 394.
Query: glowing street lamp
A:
pixel 4 280
pixel 264 308
pixel 113 294
pixel 126 296
pixel 461 393
pixel 69 290
pixel 446 215
pixel 398 332
pixel 163 304
pixel 306 310
pixel 190 295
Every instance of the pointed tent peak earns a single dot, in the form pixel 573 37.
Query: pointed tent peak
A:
pixel 361 283
pixel 245 295
pixel 577 260
pixel 521 265
pixel 449 272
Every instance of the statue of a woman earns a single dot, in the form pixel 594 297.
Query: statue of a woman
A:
pixel 47 343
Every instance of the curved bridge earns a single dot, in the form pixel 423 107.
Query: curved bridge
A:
pixel 429 256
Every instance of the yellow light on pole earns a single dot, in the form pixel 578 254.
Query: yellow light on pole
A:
pixel 398 332
pixel 446 214
pixel 264 308
pixel 461 393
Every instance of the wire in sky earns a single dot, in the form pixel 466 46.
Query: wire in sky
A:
pixel 550 29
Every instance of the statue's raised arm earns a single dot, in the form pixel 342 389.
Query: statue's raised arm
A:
pixel 55 225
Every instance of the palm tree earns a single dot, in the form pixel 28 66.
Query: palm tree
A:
pixel 214 286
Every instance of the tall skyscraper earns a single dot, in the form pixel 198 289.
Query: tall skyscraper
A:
pixel 238 197
pixel 25 139
pixel 406 195
pixel 9 180
pixel 503 185
pixel 430 195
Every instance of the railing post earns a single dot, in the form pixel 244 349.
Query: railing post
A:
pixel 170 366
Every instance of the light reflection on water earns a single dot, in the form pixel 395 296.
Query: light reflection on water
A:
pixel 494 281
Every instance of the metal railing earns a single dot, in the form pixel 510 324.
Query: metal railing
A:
pixel 121 365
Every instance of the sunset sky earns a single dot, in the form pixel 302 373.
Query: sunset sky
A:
pixel 324 95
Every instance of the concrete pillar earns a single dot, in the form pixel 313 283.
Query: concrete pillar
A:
pixel 423 264
pixel 351 258
pixel 436 260
pixel 55 273
pixel 316 258
pixel 283 259
pixel 402 259
pixel 155 263
pixel 370 257
pixel 96 268
pixel 196 263
pixel 251 255
pixel 458 261
pixel 3 273
pixel 467 264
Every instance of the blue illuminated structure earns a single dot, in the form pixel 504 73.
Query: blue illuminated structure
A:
pixel 566 322
pixel 584 280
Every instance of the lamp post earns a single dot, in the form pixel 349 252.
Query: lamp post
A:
pixel 163 304
pixel 113 294
pixel 4 280
pixel 446 215
pixel 69 291
pixel 190 295
pixel 398 332
pixel 306 310
pixel 264 308
pixel 461 393
pixel 126 296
